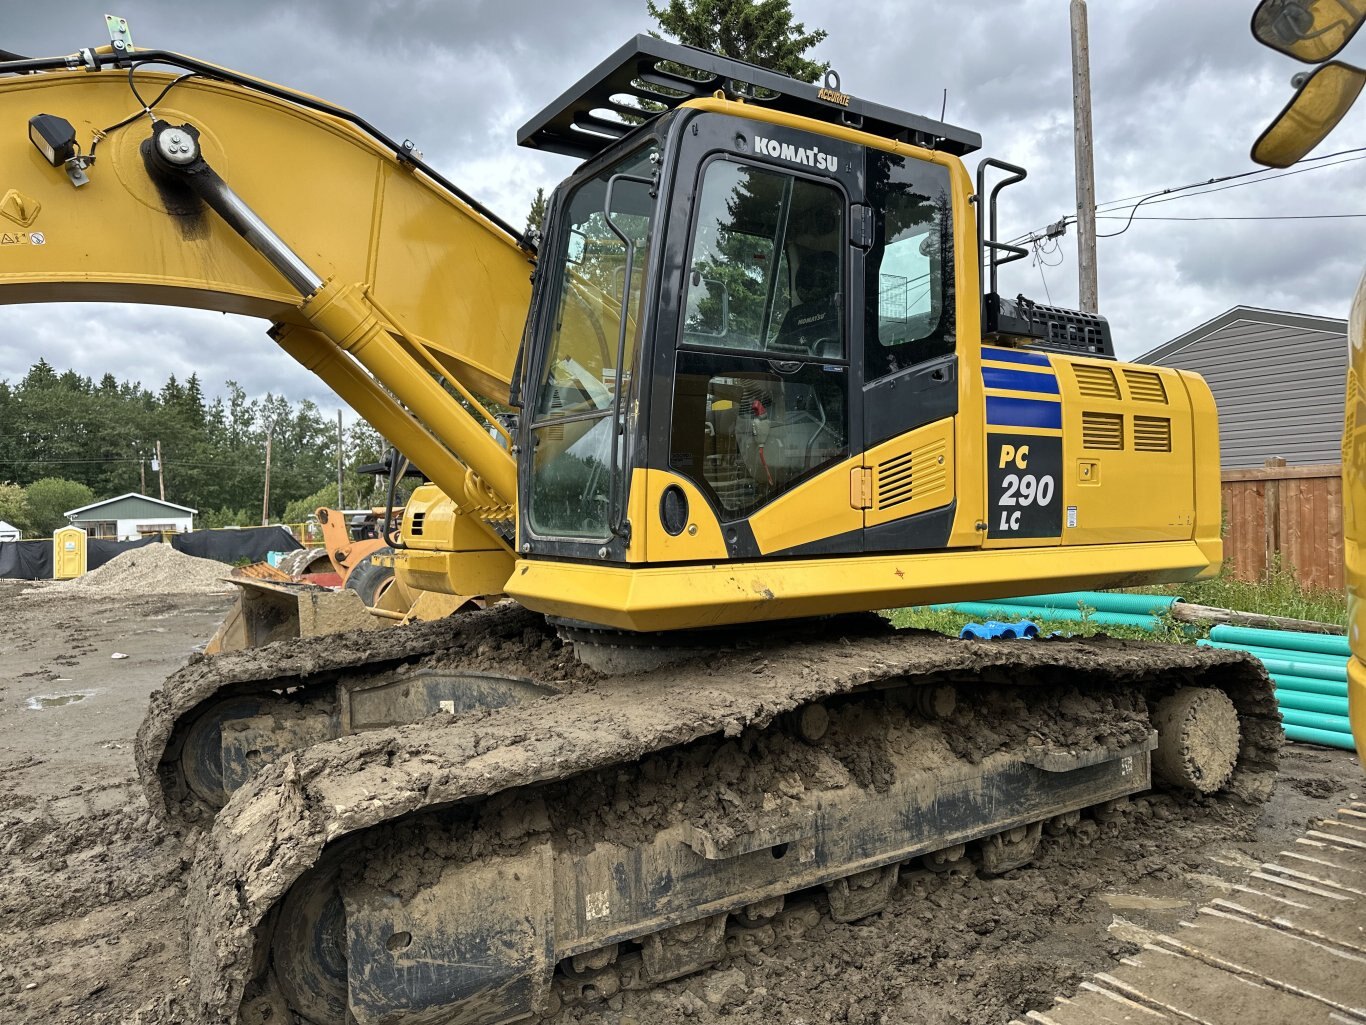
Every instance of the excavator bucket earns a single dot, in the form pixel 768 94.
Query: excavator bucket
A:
pixel 277 610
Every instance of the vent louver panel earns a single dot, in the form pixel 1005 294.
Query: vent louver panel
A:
pixel 1095 382
pixel 916 474
pixel 419 520
pixel 1102 430
pixel 1152 434
pixel 1146 386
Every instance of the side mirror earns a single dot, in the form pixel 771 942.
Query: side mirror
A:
pixel 1324 96
pixel 578 246
pixel 1312 31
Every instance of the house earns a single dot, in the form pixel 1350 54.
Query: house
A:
pixel 1278 381
pixel 130 516
pixel 9 532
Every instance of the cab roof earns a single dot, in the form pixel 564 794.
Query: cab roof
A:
pixel 646 69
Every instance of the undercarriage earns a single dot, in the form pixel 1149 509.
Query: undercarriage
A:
pixel 601 834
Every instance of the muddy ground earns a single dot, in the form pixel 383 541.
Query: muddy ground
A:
pixel 90 898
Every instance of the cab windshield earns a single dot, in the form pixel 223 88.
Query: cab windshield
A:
pixel 605 240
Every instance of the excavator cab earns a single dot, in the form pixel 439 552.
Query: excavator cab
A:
pixel 757 336
pixel 725 300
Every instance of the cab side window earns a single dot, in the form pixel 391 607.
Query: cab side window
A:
pixel 910 297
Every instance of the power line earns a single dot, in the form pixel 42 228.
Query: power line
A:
pixel 1165 197
pixel 1230 177
pixel 1262 217
pixel 1168 195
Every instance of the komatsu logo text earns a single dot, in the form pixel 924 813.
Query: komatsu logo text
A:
pixel 810 156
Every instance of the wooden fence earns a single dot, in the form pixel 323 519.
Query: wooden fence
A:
pixel 1293 511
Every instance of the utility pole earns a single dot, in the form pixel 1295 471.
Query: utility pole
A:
pixel 340 474
pixel 161 472
pixel 142 471
pixel 1086 167
pixel 265 497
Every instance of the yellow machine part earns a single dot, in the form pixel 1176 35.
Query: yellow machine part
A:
pixel 1354 515
pixel 346 205
pixel 1140 484
pixel 418 284
pixel 268 610
pixel 688 597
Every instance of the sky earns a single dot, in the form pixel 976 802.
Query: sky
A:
pixel 1180 92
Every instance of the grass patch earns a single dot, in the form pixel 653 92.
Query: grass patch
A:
pixel 1278 594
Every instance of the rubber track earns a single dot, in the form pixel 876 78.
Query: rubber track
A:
pixel 277 825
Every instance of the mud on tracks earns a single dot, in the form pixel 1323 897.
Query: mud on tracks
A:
pixel 278 824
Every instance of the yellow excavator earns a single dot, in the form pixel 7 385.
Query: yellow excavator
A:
pixel 762 383
pixel 1314 32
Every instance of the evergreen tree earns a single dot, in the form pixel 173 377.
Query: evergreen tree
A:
pixel 102 436
pixel 761 32
pixel 535 217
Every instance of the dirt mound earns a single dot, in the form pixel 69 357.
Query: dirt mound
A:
pixel 152 569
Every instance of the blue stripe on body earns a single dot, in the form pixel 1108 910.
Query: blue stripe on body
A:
pixel 1034 359
pixel 1019 380
pixel 1005 412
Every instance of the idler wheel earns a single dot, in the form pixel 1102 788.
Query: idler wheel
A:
pixel 1197 739
pixel 201 754
pixel 308 950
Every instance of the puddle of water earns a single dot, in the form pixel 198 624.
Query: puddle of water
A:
pixel 40 701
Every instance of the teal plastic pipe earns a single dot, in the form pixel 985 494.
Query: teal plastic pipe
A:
pixel 1101 601
pixel 1281 653
pixel 1324 644
pixel 1308 670
pixel 1328 688
pixel 1311 702
pixel 1316 720
pixel 992 610
pixel 1326 738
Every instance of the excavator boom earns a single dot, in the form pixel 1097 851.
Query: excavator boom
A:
pixel 361 226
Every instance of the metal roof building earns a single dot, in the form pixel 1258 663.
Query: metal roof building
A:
pixel 130 516
pixel 1278 380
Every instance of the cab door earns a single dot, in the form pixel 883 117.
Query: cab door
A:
pixel 762 400
pixel 910 370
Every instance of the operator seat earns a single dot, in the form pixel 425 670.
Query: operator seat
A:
pixel 813 325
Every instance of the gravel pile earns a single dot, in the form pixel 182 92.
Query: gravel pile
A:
pixel 152 569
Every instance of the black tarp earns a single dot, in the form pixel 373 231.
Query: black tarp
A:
pixel 32 560
pixel 26 560
pixel 99 550
pixel 233 545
